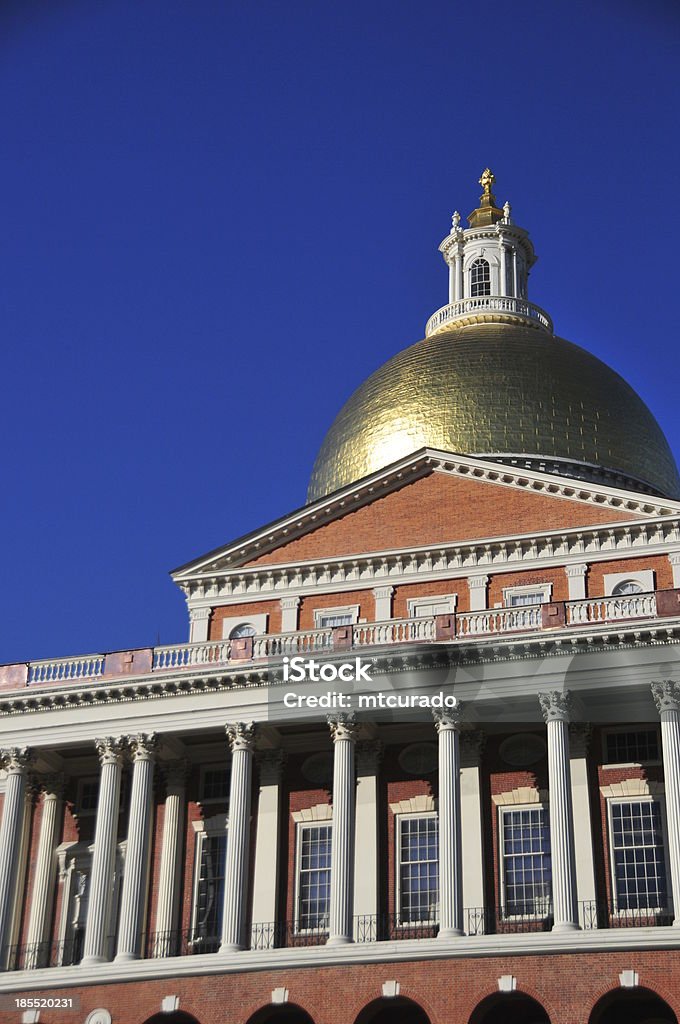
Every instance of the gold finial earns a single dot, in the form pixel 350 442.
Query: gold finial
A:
pixel 486 181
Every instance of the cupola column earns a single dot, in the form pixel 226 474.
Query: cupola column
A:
pixel 16 763
pixel 555 708
pixel 667 699
pixel 110 752
pixel 343 731
pixel 135 879
pixel 447 724
pixel 504 268
pixel 241 736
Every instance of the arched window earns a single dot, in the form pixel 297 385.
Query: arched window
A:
pixel 480 278
pixel 243 629
pixel 626 587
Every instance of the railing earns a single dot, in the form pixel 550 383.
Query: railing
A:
pixel 287 934
pixel 498 620
pixel 304 642
pixel 609 609
pixel 394 631
pixel 187 655
pixel 605 914
pixel 391 927
pixel 66 669
pixel 463 308
pixel 158 945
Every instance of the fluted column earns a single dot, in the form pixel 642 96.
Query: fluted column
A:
pixel 472 828
pixel 447 724
pixel 176 773
pixel 100 893
pixel 366 860
pixel 241 736
pixel 555 708
pixel 343 731
pixel 667 699
pixel 136 875
pixel 16 763
pixel 266 859
pixel 44 880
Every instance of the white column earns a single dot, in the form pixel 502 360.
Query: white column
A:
pixel 44 881
pixel 472 830
pixel 674 559
pixel 136 876
pixel 16 763
pixel 503 290
pixel 478 598
pixel 555 708
pixel 289 614
pixel 460 288
pixel 266 867
pixel 667 699
pixel 366 867
pixel 100 893
pixel 579 738
pixel 383 603
pixel 447 724
pixel 576 581
pixel 343 731
pixel 167 912
pixel 452 282
pixel 241 736
pixel 199 624
pixel 515 275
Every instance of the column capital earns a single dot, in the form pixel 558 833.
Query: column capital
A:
pixel 16 760
pixel 343 727
pixel 289 603
pixel 369 755
pixel 556 705
pixel 674 558
pixel 270 764
pixel 198 614
pixel 477 582
pixel 383 593
pixel 241 735
pixel 143 746
pixel 53 784
pixel 110 749
pixel 666 694
pixel 579 569
pixel 448 718
pixel 175 774
pixel 579 738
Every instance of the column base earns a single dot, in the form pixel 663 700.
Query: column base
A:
pixel 92 961
pixel 230 947
pixel 339 940
pixel 450 933
pixel 566 926
pixel 125 958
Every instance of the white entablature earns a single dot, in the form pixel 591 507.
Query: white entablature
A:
pixel 489 265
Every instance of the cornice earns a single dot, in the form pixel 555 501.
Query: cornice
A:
pixel 386 661
pixel 421 463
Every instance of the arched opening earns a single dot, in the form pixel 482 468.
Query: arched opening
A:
pixel 397 1010
pixel 626 587
pixel 509 1008
pixel 480 277
pixel 178 1017
pixel 244 629
pixel 280 1013
pixel 632 1006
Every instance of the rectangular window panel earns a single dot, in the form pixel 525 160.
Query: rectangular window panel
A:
pixel 210 890
pixel 328 621
pixel 418 857
pixel 216 784
pixel 636 746
pixel 526 866
pixel 314 876
pixel 638 853
pixel 521 600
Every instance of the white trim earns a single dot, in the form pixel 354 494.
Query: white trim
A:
pixel 258 620
pixel 643 577
pixel 504 809
pixel 347 609
pixel 320 812
pixel 544 589
pixel 415 805
pixel 416 602
pixel 524 795
pixel 630 789
pixel 399 818
pixel 299 829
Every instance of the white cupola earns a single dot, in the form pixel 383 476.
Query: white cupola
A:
pixel 489 264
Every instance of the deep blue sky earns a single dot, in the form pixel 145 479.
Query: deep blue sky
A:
pixel 218 218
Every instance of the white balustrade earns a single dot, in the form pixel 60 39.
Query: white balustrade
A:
pixel 187 655
pixel 63 669
pixel 608 609
pixel 303 642
pixel 487 303
pixel 498 620
pixel 394 631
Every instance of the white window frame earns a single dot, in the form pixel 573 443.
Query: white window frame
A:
pixel 504 809
pixel 545 589
pixel 215 767
pixel 257 620
pixel 629 728
pixel 397 867
pixel 414 603
pixel 658 798
pixel 208 827
pixel 299 829
pixel 644 577
pixel 89 811
pixel 349 609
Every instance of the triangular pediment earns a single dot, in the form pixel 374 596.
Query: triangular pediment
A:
pixel 430 498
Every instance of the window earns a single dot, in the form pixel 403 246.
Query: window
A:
pixel 626 584
pixel 418 869
pixel 532 597
pixel 327 618
pixel 429 606
pixel 243 629
pixel 526 871
pixel 626 747
pixel 519 597
pixel 480 278
pixel 211 852
pixel 313 876
pixel 638 861
pixel 626 587
pixel 215 783
pixel 88 795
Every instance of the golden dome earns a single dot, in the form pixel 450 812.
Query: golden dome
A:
pixel 512 393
